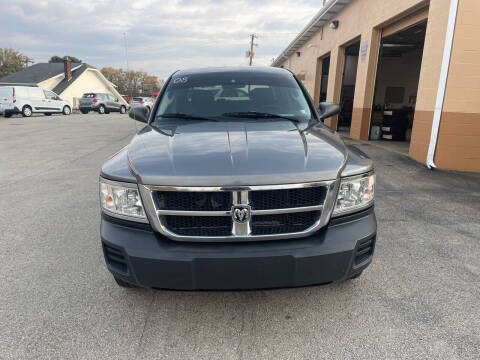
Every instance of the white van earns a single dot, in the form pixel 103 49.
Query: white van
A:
pixel 27 100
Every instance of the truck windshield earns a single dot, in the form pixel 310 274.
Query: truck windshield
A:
pixel 233 95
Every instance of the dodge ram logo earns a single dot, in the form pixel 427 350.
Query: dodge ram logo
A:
pixel 240 213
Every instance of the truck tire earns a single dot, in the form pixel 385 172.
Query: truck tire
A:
pixel 84 111
pixel 356 276
pixel 123 283
pixel 27 111
pixel 66 110
pixel 8 115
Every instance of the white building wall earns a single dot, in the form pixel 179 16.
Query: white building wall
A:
pixel 90 81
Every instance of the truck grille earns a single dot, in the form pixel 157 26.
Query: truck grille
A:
pixel 289 198
pixel 241 214
pixel 283 223
pixel 194 201
pixel 199 225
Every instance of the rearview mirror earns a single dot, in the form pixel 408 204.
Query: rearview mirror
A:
pixel 139 113
pixel 328 109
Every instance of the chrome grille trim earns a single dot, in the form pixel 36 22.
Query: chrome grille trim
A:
pixel 240 231
pixel 194 213
pixel 229 212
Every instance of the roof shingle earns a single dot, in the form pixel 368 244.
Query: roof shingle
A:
pixel 36 73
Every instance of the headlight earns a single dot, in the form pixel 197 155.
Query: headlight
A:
pixel 122 200
pixel 355 193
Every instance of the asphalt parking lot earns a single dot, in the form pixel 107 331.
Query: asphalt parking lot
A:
pixel 419 299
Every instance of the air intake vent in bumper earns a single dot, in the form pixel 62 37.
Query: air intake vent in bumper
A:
pixel 115 259
pixel 364 251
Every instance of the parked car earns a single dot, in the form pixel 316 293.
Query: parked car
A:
pixel 142 101
pixel 27 100
pixel 236 194
pixel 101 103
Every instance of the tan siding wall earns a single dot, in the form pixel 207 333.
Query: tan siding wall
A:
pixel 458 145
pixel 51 83
pixel 87 82
pixel 429 77
pixel 360 19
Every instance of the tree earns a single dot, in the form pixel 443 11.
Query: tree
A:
pixel 58 59
pixel 12 61
pixel 151 84
pixel 131 82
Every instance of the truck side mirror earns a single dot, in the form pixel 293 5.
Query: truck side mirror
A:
pixel 328 109
pixel 139 113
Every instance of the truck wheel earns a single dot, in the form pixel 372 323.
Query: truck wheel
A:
pixel 123 283
pixel 27 111
pixel 101 109
pixel 123 109
pixel 66 110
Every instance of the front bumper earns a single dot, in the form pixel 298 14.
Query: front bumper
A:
pixel 140 256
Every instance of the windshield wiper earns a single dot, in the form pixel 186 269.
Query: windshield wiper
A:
pixel 259 115
pixel 184 116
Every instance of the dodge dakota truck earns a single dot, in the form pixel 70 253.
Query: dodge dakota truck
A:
pixel 234 182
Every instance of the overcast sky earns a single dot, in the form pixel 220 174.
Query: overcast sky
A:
pixel 162 36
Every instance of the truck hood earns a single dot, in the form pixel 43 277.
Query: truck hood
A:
pixel 231 153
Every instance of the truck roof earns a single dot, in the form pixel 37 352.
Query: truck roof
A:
pixel 230 69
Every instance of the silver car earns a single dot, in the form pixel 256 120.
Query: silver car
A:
pixel 142 101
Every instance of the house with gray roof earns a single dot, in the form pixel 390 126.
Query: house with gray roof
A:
pixel 68 80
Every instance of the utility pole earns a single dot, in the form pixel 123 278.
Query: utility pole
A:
pixel 129 81
pixel 252 44
pixel 126 51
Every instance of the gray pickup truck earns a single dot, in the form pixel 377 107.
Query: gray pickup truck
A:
pixel 246 190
